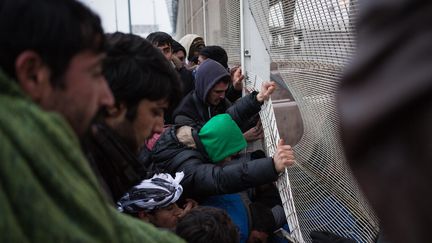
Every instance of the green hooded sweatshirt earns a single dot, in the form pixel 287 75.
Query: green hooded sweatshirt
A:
pixel 48 192
pixel 221 137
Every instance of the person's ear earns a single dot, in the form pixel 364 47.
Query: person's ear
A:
pixel 33 75
pixel 144 216
pixel 115 114
pixel 116 110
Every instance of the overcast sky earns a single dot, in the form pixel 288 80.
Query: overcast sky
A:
pixel 141 12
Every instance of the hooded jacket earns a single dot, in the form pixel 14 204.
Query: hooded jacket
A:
pixel 202 177
pixel 187 40
pixel 194 111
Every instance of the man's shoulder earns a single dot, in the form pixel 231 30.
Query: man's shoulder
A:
pixel 171 149
pixel 191 108
pixel 188 99
pixel 24 115
pixel 38 135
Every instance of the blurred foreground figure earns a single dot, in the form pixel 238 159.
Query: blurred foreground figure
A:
pixel 385 102
pixel 51 86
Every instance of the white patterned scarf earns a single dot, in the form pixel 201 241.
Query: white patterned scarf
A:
pixel 157 192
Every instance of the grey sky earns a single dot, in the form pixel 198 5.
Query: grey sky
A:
pixel 142 13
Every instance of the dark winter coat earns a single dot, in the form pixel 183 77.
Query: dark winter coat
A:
pixel 203 178
pixel 188 82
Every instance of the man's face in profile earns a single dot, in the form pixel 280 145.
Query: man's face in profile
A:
pixel 83 91
pixel 217 93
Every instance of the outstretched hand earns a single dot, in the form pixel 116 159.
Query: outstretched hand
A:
pixel 267 89
pixel 283 157
pixel 237 78
pixel 177 63
pixel 255 133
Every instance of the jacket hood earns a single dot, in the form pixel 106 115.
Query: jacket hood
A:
pixel 186 42
pixel 208 74
pixel 221 137
pixel 167 146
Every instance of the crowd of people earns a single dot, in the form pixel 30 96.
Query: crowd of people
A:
pixel 117 138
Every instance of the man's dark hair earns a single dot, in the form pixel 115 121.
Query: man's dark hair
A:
pixel 55 29
pixel 176 47
pixel 160 38
pixel 135 70
pixel 207 225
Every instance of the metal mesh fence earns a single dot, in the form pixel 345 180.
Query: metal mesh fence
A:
pixel 230 16
pixel 221 20
pixel 318 192
pixel 271 136
pixel 310 41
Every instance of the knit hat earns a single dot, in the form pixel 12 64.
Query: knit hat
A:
pixel 216 53
pixel 221 137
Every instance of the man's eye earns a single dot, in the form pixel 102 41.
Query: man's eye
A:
pixel 96 74
pixel 170 207
pixel 157 112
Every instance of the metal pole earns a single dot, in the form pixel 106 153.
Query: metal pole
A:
pixel 185 18
pixel 115 9
pixel 192 16
pixel 242 38
pixel 154 13
pixel 204 20
pixel 130 17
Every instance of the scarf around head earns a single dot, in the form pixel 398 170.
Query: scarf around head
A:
pixel 157 192
pixel 221 137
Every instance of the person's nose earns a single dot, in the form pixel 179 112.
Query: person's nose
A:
pixel 159 124
pixel 106 97
pixel 222 96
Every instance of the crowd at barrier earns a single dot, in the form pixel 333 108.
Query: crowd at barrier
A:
pixel 117 138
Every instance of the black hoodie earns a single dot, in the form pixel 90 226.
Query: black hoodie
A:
pixel 195 111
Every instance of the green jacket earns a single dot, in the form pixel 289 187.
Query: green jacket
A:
pixel 48 192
